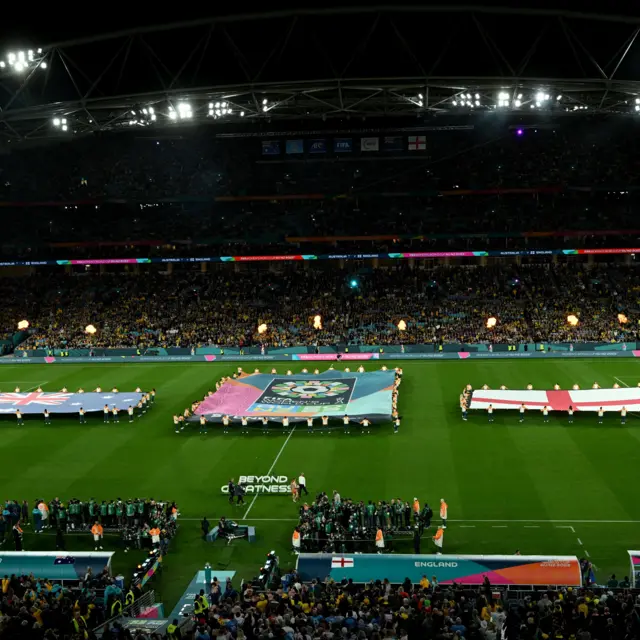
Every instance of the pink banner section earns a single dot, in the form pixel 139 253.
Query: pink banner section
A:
pixel 233 398
pixel 439 254
pixel 106 261
pixel 334 356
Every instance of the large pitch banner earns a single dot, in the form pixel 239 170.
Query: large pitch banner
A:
pixel 332 394
pixel 38 401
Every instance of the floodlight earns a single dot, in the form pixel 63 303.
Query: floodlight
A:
pixel 43 65
pixel 151 110
pixel 539 96
pixel 19 66
pixel 64 121
pixel 11 58
pixel 153 117
pixel 454 103
pixel 64 127
pixel 2 64
pixel 242 114
pixel 637 100
pixel 264 101
pixel 217 105
pixel 265 108
pixel 56 122
pixel 517 103
pixel 211 105
pixel 503 95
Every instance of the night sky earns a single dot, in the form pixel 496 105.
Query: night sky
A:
pixel 53 22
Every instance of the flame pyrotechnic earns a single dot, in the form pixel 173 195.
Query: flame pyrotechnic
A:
pixel 491 322
pixel 317 322
pixel 622 319
pixel 90 329
pixel 23 324
pixel 402 325
pixel 262 328
pixel 572 320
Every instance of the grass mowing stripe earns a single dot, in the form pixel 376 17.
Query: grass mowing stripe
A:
pixel 270 470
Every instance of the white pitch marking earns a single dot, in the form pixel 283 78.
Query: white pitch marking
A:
pixel 572 529
pixel 451 520
pixel 624 384
pixel 467 526
pixel 580 542
pixel 531 526
pixel 499 526
pixel 586 553
pixel 270 470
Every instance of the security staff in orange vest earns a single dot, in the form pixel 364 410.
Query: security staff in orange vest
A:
pixel 97 531
pixel 379 540
pixel 416 509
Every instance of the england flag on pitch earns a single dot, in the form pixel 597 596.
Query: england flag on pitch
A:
pixel 417 143
pixel 341 563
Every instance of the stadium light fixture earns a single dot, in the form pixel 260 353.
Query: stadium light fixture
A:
pixel 60 123
pixel 21 61
pixel 184 111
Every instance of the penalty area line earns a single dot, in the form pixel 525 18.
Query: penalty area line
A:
pixel 246 513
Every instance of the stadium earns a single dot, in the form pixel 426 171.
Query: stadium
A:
pixel 321 323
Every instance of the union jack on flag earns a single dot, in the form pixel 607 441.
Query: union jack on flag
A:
pixel 34 397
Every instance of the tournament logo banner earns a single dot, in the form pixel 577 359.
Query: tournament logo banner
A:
pixel 308 393
pixel 318 146
pixel 271 147
pixel 332 394
pixel 294 147
pixel 343 145
pixel 369 144
pixel 393 143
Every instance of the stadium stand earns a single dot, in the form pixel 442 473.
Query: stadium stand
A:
pixel 224 307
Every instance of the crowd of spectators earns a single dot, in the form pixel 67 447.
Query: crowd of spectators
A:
pixel 225 307
pixel 198 195
pixel 427 610
pixel 192 164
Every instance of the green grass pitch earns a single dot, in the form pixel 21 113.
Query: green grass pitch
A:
pixel 543 489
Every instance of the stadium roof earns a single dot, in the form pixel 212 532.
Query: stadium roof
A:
pixel 362 62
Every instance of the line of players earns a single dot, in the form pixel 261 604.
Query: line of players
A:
pixel 110 414
pixel 467 392
pixel 332 524
pixel 179 420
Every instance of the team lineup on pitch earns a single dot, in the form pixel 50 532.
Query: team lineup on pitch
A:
pixel 507 484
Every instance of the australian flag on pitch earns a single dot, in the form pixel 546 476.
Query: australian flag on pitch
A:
pixel 37 401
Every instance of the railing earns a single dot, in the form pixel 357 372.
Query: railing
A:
pixel 145 601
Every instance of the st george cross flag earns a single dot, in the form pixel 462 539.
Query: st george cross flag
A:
pixel 417 143
pixel 341 563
